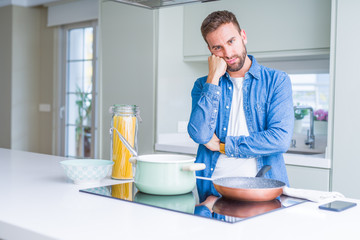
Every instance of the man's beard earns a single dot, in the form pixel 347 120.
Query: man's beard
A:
pixel 238 66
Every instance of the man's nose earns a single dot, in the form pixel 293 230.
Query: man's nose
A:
pixel 227 52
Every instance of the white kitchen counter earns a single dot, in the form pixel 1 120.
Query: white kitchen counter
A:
pixel 38 202
pixel 182 143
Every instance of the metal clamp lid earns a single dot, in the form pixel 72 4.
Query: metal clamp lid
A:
pixel 126 109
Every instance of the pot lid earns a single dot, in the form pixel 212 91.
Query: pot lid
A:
pixel 165 158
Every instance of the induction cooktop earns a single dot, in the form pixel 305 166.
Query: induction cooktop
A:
pixel 223 209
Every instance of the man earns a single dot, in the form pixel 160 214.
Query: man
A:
pixel 242 113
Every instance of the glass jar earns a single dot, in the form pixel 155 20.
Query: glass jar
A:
pixel 125 121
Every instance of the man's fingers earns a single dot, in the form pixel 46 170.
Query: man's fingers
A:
pixel 213 144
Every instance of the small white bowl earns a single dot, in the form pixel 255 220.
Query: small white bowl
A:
pixel 86 171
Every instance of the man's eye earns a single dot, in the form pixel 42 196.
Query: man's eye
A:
pixel 216 48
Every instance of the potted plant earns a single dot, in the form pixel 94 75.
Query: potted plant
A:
pixel 83 133
pixel 320 122
pixel 299 114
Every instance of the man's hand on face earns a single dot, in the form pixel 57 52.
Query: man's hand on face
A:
pixel 213 144
pixel 217 68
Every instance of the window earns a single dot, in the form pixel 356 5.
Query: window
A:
pixel 79 93
pixel 311 90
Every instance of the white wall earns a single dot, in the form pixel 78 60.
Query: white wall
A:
pixel 46 85
pixel 175 77
pixel 346 158
pixel 26 79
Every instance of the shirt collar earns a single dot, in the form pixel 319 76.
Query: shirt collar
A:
pixel 254 69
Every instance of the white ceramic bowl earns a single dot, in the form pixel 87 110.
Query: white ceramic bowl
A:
pixel 86 171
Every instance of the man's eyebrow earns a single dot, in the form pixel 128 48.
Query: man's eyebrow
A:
pixel 232 38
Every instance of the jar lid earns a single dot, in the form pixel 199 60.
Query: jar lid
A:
pixel 125 109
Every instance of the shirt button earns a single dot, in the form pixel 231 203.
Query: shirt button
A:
pixel 211 169
pixel 224 129
pixel 215 110
pixel 230 88
pixel 227 107
pixel 232 155
pixel 217 92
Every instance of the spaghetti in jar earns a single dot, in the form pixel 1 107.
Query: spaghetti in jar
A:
pixel 125 121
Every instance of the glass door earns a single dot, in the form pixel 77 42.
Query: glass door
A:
pixel 79 93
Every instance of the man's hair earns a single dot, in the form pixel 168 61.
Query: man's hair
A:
pixel 215 20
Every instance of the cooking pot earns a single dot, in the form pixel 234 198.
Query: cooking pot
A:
pixel 249 188
pixel 165 174
pixel 183 202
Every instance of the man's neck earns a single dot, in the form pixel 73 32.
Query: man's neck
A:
pixel 243 70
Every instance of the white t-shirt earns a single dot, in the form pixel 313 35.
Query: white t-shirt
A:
pixel 229 166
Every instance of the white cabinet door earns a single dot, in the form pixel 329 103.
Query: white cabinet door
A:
pixel 273 28
pixel 308 178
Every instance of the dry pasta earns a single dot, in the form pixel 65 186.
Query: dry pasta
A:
pixel 126 125
pixel 123 191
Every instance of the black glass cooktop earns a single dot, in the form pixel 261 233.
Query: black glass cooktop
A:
pixel 221 209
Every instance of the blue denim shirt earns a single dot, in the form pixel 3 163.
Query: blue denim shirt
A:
pixel 269 114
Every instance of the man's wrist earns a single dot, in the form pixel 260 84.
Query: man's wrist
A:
pixel 213 79
pixel 222 148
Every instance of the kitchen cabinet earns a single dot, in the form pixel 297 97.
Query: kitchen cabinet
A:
pixel 308 177
pixel 121 80
pixel 345 70
pixel 279 28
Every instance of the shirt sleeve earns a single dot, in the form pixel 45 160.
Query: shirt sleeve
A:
pixel 277 136
pixel 204 112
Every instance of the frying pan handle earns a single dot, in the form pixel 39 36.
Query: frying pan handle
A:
pixel 263 170
pixel 194 167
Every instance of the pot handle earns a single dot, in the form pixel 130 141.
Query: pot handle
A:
pixel 194 167
pixel 133 160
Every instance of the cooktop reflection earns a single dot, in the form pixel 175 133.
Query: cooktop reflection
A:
pixel 221 209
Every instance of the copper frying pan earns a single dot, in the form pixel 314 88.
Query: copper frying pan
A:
pixel 242 209
pixel 255 189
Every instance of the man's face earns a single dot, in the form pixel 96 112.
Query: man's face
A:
pixel 226 42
